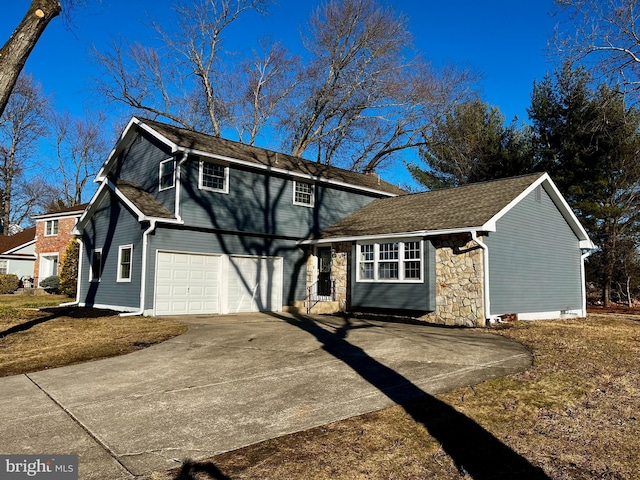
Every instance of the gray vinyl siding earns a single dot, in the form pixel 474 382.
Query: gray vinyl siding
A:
pixel 110 227
pixel 396 295
pixel 195 241
pixel 534 260
pixel 261 202
pixel 140 163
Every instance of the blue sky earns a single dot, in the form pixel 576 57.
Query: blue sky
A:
pixel 504 40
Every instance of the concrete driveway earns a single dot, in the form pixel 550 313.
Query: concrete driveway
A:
pixel 234 380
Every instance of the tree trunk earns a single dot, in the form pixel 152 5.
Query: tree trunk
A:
pixel 15 52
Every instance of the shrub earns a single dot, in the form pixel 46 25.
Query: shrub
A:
pixel 8 283
pixel 51 284
pixel 69 270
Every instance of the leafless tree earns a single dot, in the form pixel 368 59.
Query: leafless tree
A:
pixel 604 34
pixel 32 196
pixel 182 80
pixel 16 50
pixel 21 126
pixel 80 150
pixel 364 96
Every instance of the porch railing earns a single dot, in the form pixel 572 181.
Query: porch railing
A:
pixel 313 298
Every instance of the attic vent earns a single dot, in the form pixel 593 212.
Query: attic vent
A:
pixel 539 194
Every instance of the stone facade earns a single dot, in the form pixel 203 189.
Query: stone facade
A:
pixel 459 282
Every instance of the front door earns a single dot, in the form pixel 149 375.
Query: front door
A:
pixel 324 271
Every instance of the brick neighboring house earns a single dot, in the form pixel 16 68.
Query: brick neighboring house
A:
pixel 53 233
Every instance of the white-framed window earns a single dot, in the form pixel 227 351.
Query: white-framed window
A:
pixel 125 256
pixel 95 273
pixel 167 174
pixel 303 193
pixel 213 177
pixel 4 267
pixel 390 261
pixel 50 228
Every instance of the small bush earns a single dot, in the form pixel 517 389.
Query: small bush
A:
pixel 8 283
pixel 51 284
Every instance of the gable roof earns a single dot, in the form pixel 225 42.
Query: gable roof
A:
pixel 12 242
pixel 181 139
pixel 143 200
pixel 74 211
pixel 473 207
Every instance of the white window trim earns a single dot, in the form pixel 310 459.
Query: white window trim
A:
pixel 313 194
pixel 47 222
pixel 401 260
pixel 173 178
pixel 6 266
pixel 91 272
pixel 201 175
pixel 120 249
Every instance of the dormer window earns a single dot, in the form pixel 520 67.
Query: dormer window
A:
pixel 302 194
pixel 51 228
pixel 167 174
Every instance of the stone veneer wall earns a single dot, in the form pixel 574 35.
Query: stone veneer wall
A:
pixel 459 282
pixel 340 273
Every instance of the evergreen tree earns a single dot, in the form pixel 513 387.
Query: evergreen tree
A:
pixel 69 270
pixel 472 144
pixel 587 139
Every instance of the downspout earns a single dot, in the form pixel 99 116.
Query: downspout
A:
pixel 143 278
pixel 583 279
pixel 179 185
pixel 78 280
pixel 485 269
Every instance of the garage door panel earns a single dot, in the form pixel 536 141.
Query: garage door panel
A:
pixel 187 283
pixel 255 284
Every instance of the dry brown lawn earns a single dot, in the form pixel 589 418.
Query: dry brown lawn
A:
pixel 32 340
pixel 573 415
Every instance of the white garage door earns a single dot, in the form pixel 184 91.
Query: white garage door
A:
pixel 255 284
pixel 187 284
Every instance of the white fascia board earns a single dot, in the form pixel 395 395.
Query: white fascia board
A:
pixel 561 204
pixel 282 171
pixel 134 208
pixel 7 256
pixel 53 216
pixel 383 236
pixel 25 244
pixel 134 122
pixel 88 212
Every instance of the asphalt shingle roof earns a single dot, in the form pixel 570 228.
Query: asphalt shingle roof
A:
pixel 12 241
pixel 460 207
pixel 227 148
pixel 147 204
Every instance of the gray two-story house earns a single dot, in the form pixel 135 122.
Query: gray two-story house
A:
pixel 186 223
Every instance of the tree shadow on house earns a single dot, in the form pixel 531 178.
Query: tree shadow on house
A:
pixel 475 451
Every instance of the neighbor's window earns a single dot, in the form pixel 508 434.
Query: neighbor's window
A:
pixel 96 266
pixel 302 194
pixel 390 261
pixel 214 177
pixel 167 174
pixel 124 263
pixel 4 267
pixel 51 228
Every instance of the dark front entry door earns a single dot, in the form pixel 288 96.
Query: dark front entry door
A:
pixel 324 271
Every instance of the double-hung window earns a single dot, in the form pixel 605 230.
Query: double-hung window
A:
pixel 50 228
pixel 214 177
pixel 125 253
pixel 167 174
pixel 390 261
pixel 303 194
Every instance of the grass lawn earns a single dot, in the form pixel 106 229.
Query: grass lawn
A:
pixel 32 340
pixel 575 414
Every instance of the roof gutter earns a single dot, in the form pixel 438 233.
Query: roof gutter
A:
pixel 143 278
pixel 419 233
pixel 583 281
